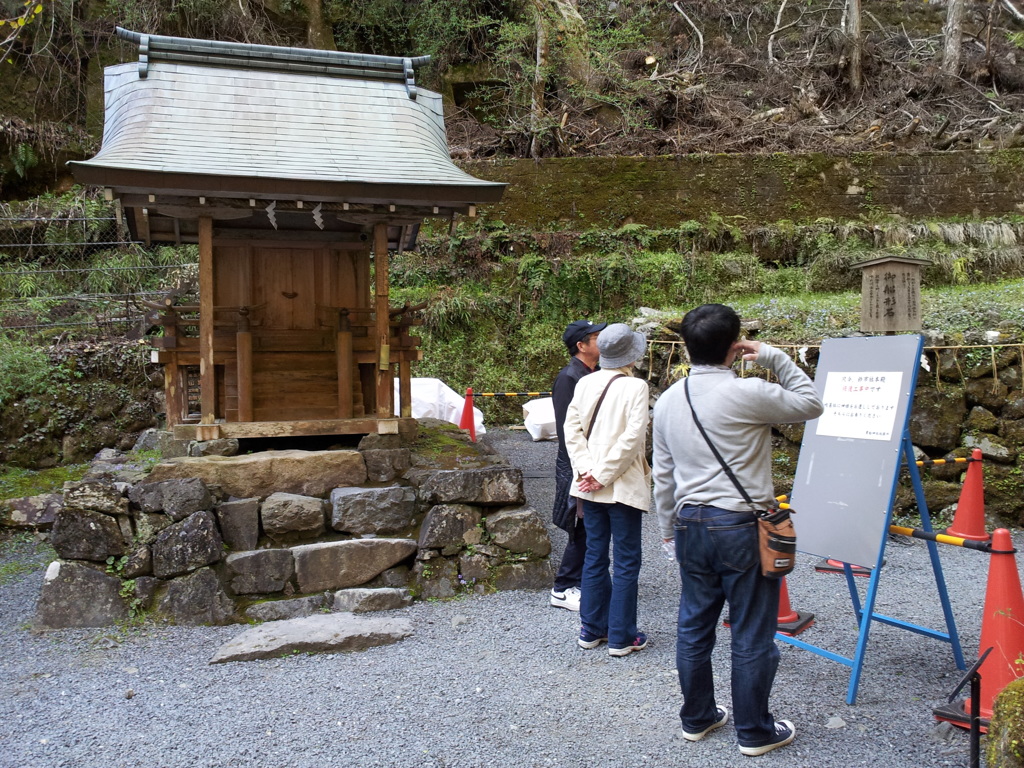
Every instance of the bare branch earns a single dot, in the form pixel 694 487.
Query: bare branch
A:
pixel 771 37
pixel 1008 5
pixel 700 37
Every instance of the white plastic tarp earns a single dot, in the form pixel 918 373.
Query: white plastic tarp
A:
pixel 539 419
pixel 433 399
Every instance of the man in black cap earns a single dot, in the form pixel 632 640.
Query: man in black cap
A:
pixel 581 340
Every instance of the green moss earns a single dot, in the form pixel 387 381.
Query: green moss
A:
pixel 1005 746
pixel 16 482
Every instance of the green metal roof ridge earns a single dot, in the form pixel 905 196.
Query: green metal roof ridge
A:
pixel 285 59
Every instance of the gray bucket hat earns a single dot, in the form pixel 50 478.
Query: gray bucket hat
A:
pixel 619 346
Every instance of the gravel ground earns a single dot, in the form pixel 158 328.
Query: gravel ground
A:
pixel 491 680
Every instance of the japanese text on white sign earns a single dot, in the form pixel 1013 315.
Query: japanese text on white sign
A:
pixel 860 405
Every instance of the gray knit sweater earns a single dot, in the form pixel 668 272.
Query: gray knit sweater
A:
pixel 737 414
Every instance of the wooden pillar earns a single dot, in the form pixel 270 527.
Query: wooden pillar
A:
pixel 405 388
pixel 243 358
pixel 207 378
pixel 382 329
pixel 343 353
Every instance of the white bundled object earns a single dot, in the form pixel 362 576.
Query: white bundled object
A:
pixel 433 399
pixel 539 419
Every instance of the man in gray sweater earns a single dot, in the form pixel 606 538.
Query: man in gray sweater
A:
pixel 714 528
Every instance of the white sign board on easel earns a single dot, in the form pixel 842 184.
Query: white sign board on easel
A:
pixel 850 455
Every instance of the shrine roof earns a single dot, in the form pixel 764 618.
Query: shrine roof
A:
pixel 231 119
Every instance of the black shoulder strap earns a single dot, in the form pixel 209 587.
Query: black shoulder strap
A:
pixel 599 401
pixel 728 471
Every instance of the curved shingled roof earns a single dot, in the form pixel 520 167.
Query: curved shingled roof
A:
pixel 229 118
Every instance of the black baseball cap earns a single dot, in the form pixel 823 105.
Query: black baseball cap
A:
pixel 578 331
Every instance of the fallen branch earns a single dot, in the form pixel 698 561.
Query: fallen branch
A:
pixel 700 37
pixel 1014 11
pixel 952 139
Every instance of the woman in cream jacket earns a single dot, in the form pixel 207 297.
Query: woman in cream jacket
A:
pixel 614 484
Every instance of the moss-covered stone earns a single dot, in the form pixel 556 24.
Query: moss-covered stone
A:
pixel 1005 746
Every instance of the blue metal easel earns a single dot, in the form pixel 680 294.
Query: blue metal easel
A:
pixel 866 613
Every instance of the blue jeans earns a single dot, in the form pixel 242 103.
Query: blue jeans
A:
pixel 719 560
pixel 608 603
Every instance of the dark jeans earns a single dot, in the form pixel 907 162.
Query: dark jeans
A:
pixel 570 571
pixel 718 559
pixel 608 603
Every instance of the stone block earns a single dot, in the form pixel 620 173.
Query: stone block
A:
pixel 35 512
pixel 309 473
pixel 474 568
pixel 328 633
pixel 392 577
pixel 149 524
pixel 534 574
pixel 95 496
pixel 937 417
pixel 177 498
pixel 75 595
pixel 197 599
pixel 436 579
pixel 489 486
pixel 85 535
pixel 162 441
pixel 260 572
pixel 140 563
pixel 240 523
pixel 993 447
pixel 294 608
pixel 341 564
pixel 285 514
pixel 384 465
pixel 520 530
pixel 447 525
pixel 186 546
pixel 220 447
pixel 373 510
pixel 368 600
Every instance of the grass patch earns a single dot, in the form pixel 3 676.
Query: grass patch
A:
pixel 16 482
pixel 444 445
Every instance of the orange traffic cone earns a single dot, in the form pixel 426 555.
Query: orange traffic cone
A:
pixel 969 520
pixel 1002 624
pixel 1002 631
pixel 791 622
pixel 468 421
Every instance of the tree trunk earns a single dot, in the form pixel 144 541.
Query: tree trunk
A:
pixel 537 105
pixel 563 21
pixel 855 69
pixel 951 36
pixel 318 32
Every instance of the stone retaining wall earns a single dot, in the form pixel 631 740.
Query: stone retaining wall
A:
pixel 209 540
pixel 603 192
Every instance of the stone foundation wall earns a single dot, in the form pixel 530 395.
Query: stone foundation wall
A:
pixel 284 534
pixel 602 192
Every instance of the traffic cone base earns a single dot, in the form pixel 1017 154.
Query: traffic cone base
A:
pixel 955 713
pixel 1002 624
pixel 969 520
pixel 836 566
pixel 790 622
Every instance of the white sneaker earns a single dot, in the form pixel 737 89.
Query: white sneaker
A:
pixel 570 599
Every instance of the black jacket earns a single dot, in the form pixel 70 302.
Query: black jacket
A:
pixel 564 512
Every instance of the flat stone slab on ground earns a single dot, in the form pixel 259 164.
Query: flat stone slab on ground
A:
pixel 327 633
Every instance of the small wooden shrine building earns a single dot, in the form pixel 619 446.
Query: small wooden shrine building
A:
pixel 294 170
